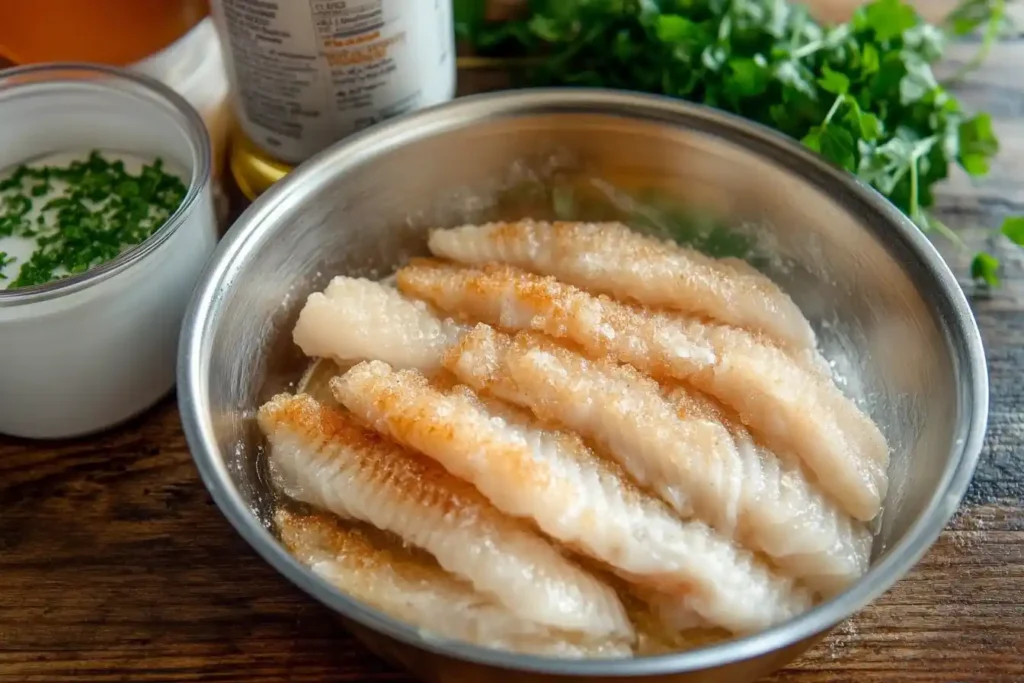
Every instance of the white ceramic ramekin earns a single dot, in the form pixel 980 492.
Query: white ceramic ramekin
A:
pixel 84 353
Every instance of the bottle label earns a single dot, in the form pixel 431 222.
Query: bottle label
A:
pixel 309 72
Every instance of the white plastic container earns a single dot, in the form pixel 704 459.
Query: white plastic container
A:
pixel 308 73
pixel 87 352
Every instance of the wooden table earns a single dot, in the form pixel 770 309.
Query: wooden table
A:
pixel 115 565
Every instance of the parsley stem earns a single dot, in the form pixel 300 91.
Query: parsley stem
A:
pixel 832 112
pixel 948 233
pixel 992 28
pixel 920 149
pixel 807 50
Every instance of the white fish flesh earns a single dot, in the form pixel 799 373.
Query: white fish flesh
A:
pixel 356 319
pixel 552 478
pixel 789 403
pixel 321 457
pixel 793 411
pixel 803 532
pixel 658 342
pixel 416 590
pixel 611 258
pixel 694 463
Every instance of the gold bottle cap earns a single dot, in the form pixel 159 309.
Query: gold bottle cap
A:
pixel 253 170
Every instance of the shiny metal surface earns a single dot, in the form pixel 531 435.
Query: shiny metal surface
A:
pixel 888 311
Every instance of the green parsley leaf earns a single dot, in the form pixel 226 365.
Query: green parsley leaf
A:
pixel 985 269
pixel 869 125
pixel 834 143
pixel 813 139
pixel 919 81
pixel 968 16
pixel 926 40
pixel 971 15
pixel 833 81
pixel 977 144
pixel 5 260
pixel 837 145
pixel 671 28
pixel 888 19
pixel 1013 227
pixel 747 78
pixel 469 17
pixel 869 60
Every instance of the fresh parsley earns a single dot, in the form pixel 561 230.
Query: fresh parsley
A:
pixel 82 214
pixel 862 94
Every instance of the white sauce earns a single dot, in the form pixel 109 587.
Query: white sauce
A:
pixel 21 248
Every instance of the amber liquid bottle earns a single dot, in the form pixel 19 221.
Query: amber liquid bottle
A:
pixel 114 32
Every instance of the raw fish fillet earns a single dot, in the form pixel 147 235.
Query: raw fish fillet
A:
pixel 355 319
pixel 803 532
pixel 362 564
pixel 514 299
pixel 612 259
pixel 321 457
pixel 789 403
pixel 552 478
pixel 692 462
pixel 793 411
pixel 657 342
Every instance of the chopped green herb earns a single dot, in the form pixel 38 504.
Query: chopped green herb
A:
pixel 97 210
pixel 4 260
pixel 862 94
pixel 985 269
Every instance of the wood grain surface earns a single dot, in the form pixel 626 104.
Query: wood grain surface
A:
pixel 116 566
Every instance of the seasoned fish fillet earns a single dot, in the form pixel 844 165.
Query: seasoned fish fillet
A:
pixel 612 259
pixel 693 463
pixel 419 592
pixel 552 478
pixel 322 457
pixel 793 411
pixel 790 403
pixel 805 534
pixel 660 343
pixel 514 299
pixel 355 319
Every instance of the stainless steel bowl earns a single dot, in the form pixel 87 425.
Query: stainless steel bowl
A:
pixel 889 313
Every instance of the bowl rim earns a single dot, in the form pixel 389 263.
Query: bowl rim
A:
pixel 949 303
pixel 102 78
